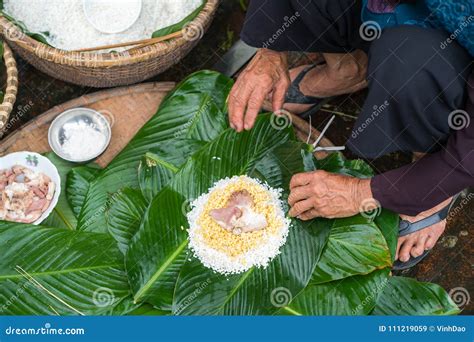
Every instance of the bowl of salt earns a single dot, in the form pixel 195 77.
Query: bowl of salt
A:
pixel 79 135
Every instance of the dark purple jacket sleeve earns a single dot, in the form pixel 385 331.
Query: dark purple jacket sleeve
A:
pixel 422 185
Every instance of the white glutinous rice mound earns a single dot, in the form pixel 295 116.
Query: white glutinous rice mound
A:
pixel 224 251
pixel 67 27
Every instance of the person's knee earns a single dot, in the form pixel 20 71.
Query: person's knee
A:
pixel 406 56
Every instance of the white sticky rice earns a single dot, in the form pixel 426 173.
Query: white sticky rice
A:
pixel 269 241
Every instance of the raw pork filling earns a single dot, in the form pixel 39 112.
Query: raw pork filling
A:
pixel 25 194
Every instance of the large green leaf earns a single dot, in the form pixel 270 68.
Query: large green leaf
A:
pixel 259 291
pixel 405 296
pixel 129 308
pixel 200 290
pixel 158 249
pixel 50 271
pixel 62 216
pixel 125 215
pixel 193 111
pixel 159 165
pixel 355 246
pixel 77 184
pixel 354 295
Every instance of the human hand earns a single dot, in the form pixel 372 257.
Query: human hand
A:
pixel 325 194
pixel 266 74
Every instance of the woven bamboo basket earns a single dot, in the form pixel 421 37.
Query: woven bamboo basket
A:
pixel 97 69
pixel 12 87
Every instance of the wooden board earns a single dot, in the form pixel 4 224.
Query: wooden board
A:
pixel 127 108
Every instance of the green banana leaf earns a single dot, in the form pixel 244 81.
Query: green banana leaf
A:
pixel 50 271
pixel 355 246
pixel 150 255
pixel 126 307
pixel 194 110
pixel 354 295
pixel 259 291
pixel 405 296
pixel 158 167
pixel 77 184
pixel 125 215
pixel 62 215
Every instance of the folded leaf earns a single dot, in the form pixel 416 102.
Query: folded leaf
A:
pixel 337 163
pixel 354 295
pixel 77 184
pixel 125 215
pixel 159 165
pixel 405 296
pixel 50 271
pixel 355 246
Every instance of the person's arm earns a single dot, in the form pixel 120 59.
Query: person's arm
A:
pixel 407 190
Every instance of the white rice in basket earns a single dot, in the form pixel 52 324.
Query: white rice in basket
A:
pixel 228 253
pixel 69 29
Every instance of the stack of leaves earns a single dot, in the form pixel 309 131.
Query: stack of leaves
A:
pixel 117 241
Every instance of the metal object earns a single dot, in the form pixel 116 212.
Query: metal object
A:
pixel 90 117
pixel 234 59
pixel 321 135
pixel 132 7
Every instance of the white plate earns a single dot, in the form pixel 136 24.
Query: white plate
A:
pixel 37 163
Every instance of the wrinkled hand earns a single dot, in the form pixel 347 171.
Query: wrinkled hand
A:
pixel 266 74
pixel 324 194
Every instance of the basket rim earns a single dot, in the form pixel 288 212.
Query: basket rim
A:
pixel 11 90
pixel 14 35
